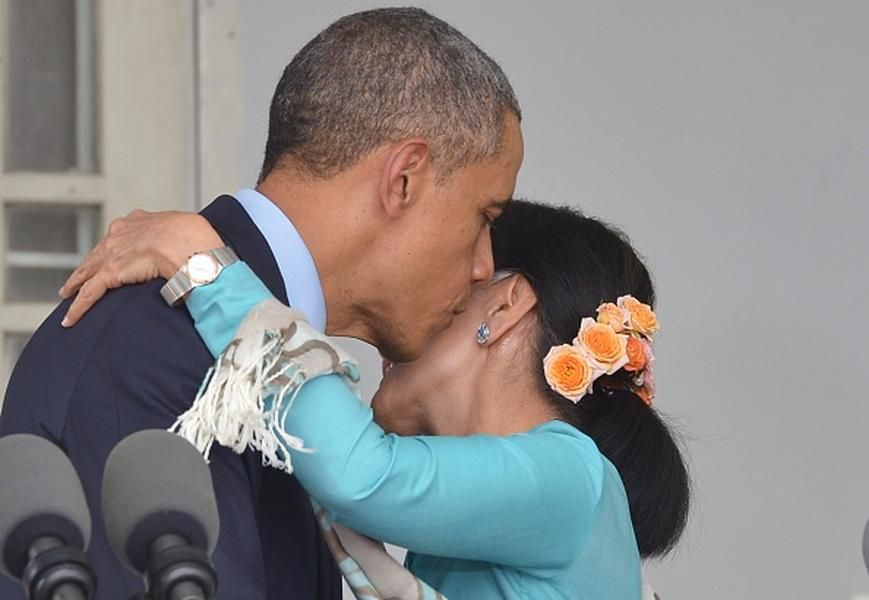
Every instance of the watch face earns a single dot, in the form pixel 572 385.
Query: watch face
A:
pixel 202 268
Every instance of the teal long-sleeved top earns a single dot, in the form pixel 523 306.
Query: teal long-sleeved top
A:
pixel 535 515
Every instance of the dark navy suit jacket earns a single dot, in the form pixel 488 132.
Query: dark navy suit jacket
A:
pixel 134 363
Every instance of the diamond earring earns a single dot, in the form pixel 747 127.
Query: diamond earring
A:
pixel 483 334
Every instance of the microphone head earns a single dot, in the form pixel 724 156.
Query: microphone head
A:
pixel 157 483
pixel 41 495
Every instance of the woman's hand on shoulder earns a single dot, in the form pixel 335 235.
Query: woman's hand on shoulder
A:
pixel 137 248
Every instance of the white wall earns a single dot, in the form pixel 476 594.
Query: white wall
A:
pixel 731 140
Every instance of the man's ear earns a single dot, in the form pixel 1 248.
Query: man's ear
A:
pixel 512 299
pixel 407 165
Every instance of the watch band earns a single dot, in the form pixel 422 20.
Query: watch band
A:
pixel 180 284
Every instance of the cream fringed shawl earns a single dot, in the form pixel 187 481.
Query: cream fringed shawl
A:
pixel 275 351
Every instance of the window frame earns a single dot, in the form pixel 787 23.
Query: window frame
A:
pixel 35 188
pixel 87 230
pixel 159 144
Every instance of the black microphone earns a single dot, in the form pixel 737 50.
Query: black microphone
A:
pixel 161 514
pixel 45 524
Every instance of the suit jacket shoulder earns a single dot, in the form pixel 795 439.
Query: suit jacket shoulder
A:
pixel 134 363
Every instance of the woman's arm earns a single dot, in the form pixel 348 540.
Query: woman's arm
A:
pixel 524 500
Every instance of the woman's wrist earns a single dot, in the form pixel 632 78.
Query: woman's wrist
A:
pixel 220 307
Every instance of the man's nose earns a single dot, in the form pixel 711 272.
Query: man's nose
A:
pixel 484 262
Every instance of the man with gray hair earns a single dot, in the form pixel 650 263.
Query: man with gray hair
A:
pixel 393 144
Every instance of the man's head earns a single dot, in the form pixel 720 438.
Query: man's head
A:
pixel 410 133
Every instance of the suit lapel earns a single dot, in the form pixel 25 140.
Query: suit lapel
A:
pixel 288 529
pixel 234 225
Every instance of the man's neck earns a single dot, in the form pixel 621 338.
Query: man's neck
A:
pixel 320 212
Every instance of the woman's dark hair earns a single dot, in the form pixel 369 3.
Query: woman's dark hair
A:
pixel 575 263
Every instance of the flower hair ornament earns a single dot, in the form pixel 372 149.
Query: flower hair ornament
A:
pixel 620 338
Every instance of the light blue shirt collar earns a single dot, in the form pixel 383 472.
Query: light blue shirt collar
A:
pixel 294 260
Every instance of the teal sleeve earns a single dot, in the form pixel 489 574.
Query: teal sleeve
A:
pixel 526 500
pixel 220 307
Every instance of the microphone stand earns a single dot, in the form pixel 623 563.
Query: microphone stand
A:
pixel 56 571
pixel 179 571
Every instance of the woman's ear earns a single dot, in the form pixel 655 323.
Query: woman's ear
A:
pixel 405 165
pixel 512 299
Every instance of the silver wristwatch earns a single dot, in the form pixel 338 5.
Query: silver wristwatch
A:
pixel 200 269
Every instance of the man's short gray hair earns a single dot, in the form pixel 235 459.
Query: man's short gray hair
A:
pixel 384 75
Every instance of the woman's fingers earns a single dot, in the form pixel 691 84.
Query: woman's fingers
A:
pixel 107 274
pixel 77 278
pixel 92 290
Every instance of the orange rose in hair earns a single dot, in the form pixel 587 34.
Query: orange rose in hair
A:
pixel 612 315
pixel 636 355
pixel 568 372
pixel 603 344
pixel 641 317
